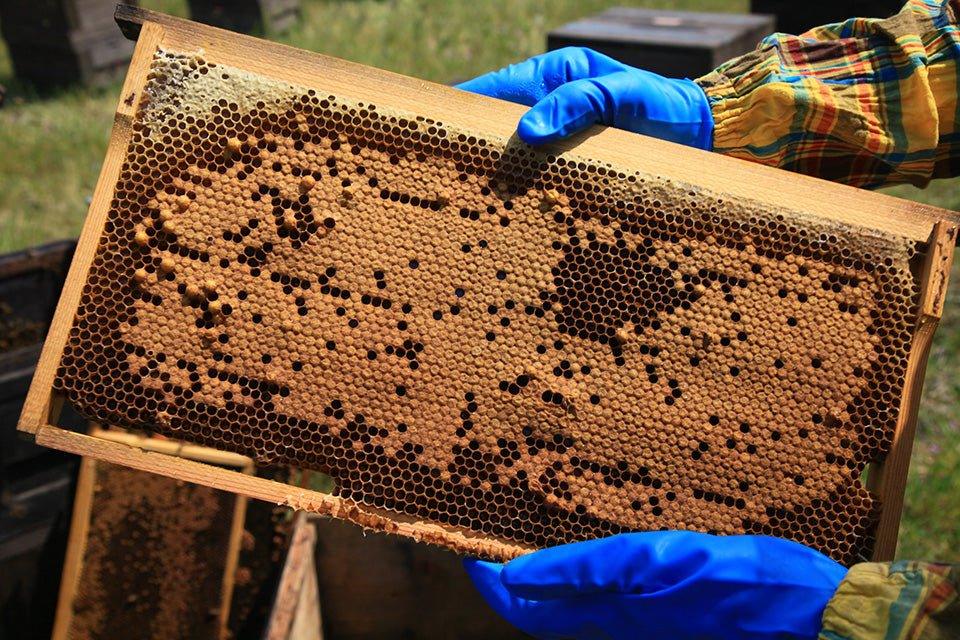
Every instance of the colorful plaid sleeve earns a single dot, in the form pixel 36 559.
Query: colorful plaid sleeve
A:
pixel 866 102
pixel 895 601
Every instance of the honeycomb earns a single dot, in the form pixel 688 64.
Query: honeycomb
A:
pixel 154 558
pixel 534 348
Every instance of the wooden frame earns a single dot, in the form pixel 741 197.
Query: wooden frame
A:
pixel 295 614
pixel 928 226
pixel 83 503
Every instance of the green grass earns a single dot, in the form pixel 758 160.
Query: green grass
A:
pixel 53 147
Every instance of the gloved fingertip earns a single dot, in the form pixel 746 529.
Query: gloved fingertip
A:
pixel 482 568
pixel 569 109
pixel 486 578
pixel 535 130
pixel 480 84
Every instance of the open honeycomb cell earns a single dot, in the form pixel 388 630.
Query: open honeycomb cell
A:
pixel 535 348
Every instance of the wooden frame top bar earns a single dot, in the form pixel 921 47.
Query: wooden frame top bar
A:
pixel 497 117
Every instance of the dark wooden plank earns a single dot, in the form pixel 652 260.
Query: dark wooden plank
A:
pixel 374 585
pixel 53 44
pixel 671 43
pixel 797 17
pixel 30 283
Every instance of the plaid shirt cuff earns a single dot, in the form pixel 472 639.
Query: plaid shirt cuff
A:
pixel 866 102
pixel 895 601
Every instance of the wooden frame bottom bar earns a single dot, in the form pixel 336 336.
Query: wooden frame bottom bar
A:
pixel 271 491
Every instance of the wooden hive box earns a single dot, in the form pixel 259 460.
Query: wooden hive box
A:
pixel 150 556
pixel 487 346
pixel 672 43
pixel 796 18
pixel 36 482
pixel 247 16
pixel 53 43
pixel 360 571
pixel 30 283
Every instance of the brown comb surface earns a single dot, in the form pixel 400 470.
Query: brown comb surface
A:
pixel 536 348
pixel 153 558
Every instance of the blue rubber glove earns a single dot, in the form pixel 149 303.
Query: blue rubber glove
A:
pixel 662 585
pixel 569 89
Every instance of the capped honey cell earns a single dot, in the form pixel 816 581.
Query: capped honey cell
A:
pixel 528 347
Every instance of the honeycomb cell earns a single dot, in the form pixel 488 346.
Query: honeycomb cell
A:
pixel 537 348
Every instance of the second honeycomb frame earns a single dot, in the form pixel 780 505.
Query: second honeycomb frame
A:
pixel 73 565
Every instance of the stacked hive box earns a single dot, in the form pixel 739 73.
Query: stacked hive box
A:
pixel 246 15
pixel 796 18
pixel 359 572
pixel 58 42
pixel 36 483
pixel 30 282
pixel 524 347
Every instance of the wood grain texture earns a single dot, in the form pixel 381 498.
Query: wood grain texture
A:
pixel 177 449
pixel 498 119
pixel 295 582
pixel 307 622
pixel 271 491
pixel 891 480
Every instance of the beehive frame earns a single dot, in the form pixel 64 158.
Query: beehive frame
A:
pixel 73 564
pixel 931 230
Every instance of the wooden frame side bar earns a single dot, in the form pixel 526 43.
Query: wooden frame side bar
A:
pixel 40 406
pixel 891 480
pixel 76 549
pixel 233 559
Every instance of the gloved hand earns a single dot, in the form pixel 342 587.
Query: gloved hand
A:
pixel 572 88
pixel 674 585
